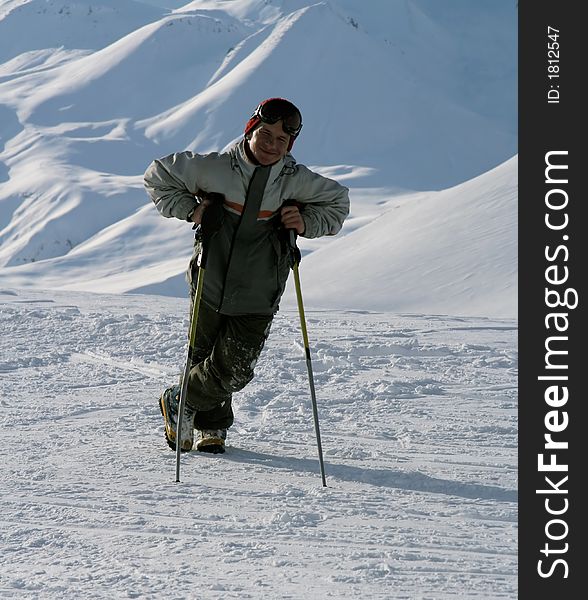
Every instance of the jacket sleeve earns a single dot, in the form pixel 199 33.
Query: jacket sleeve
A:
pixel 171 183
pixel 326 203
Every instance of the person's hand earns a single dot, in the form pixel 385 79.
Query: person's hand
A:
pixel 199 211
pixel 292 219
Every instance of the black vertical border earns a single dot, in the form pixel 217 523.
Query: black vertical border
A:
pixel 545 127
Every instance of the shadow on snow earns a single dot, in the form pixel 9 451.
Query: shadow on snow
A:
pixel 414 481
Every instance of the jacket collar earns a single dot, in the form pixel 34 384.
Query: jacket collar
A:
pixel 238 154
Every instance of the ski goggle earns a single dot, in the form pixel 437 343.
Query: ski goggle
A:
pixel 278 109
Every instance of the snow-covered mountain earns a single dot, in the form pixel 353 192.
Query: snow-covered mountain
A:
pixel 411 309
pixel 397 97
pixel 449 252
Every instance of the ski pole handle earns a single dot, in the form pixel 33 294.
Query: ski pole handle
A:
pixel 292 235
pixel 212 220
pixel 296 257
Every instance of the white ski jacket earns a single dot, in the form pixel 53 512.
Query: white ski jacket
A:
pixel 173 182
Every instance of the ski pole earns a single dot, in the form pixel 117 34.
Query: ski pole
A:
pixel 296 261
pixel 188 365
pixel 211 222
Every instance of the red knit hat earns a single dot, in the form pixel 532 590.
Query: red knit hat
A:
pixel 273 110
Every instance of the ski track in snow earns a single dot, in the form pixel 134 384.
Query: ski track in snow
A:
pixel 418 422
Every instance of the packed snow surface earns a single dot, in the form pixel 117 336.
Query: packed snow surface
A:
pixel 418 421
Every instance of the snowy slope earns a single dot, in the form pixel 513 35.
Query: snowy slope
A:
pixel 418 422
pixel 449 252
pixel 411 309
pixel 34 26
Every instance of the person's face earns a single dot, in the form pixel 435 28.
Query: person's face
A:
pixel 269 143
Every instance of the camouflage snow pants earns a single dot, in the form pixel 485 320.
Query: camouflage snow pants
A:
pixel 226 351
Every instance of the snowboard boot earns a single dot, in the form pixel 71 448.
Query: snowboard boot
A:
pixel 169 404
pixel 211 440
